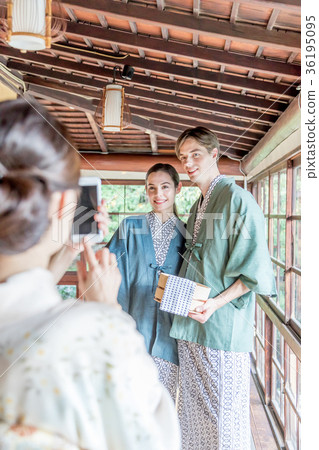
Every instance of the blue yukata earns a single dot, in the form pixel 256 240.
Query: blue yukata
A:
pixel 144 248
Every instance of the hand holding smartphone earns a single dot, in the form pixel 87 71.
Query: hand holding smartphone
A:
pixel 84 223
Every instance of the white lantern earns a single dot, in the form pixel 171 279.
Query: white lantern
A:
pixel 113 105
pixel 31 25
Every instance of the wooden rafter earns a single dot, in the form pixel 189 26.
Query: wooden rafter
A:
pixel 153 142
pixel 232 111
pixel 97 132
pixel 191 121
pixel 290 5
pixel 190 23
pixel 272 20
pixel 183 88
pixel 262 87
pixel 106 36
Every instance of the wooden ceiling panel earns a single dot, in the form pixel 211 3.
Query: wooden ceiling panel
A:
pixel 289 21
pixel 180 36
pixel 83 16
pixel 225 65
pixel 176 5
pixel 185 61
pixel 251 13
pixel 117 23
pixel 151 30
pixel 212 42
pixel 240 47
pixel 275 53
pixel 219 8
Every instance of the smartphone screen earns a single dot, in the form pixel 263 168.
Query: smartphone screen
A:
pixel 84 222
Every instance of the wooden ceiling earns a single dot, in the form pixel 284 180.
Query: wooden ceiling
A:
pixel 232 66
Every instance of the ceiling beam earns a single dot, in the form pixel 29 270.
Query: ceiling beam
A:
pixel 141 163
pixel 252 34
pixel 260 130
pixel 193 122
pixel 62 98
pixel 153 142
pixel 207 118
pixel 262 87
pixel 149 95
pixel 106 36
pixel 224 140
pixel 97 132
pixel 183 88
pixel 148 125
pixel 87 106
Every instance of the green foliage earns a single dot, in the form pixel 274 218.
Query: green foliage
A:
pixel 67 291
pixel 186 198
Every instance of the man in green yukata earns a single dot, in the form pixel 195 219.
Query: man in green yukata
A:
pixel 226 250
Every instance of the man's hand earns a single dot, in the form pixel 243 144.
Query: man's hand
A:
pixel 204 312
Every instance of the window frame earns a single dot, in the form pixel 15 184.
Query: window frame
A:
pixel 288 327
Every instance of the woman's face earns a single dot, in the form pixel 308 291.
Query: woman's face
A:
pixel 161 192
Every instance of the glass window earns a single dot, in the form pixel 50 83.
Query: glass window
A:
pixel 292 375
pixel 292 427
pixel 282 192
pixel 185 200
pixel 260 362
pixel 296 207
pixel 274 178
pixel 260 324
pixel 282 289
pixel 266 201
pixel 278 346
pixel 282 240
pixel 285 378
pixel 277 395
pixel 296 231
pixel 275 238
pixel 296 296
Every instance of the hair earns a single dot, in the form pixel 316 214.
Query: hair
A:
pixel 171 171
pixel 36 159
pixel 202 135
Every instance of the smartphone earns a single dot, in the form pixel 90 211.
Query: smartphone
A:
pixel 84 223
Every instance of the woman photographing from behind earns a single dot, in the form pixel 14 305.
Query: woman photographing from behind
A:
pixel 74 371
pixel 145 246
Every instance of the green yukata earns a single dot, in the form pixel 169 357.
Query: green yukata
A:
pixel 214 357
pixel 230 244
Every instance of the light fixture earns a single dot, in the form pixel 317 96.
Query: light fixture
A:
pixel 112 113
pixel 31 26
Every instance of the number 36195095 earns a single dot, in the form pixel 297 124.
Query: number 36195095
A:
pixel 310 53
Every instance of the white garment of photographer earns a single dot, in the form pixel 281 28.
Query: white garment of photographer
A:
pixel 80 370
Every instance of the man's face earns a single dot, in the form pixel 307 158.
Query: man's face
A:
pixel 197 162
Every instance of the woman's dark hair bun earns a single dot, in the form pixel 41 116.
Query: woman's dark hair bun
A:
pixel 36 159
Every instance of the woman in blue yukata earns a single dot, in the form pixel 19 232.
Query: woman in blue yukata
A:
pixel 145 246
